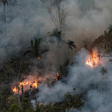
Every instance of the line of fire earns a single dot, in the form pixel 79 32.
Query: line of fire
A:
pixel 92 60
pixel 30 85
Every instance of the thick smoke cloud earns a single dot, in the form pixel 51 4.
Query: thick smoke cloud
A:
pixel 86 20
pixel 86 80
pixel 24 20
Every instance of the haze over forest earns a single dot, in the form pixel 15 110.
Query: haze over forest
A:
pixel 55 55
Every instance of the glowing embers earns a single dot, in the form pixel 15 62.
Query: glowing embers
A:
pixel 38 58
pixel 93 60
pixel 57 77
pixel 14 89
pixel 25 85
pixel 31 83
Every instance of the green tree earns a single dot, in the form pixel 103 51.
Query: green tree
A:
pixel 110 28
pixel 58 10
pixel 56 32
pixel 4 4
pixel 26 105
pixel 71 44
pixel 14 108
pixel 35 48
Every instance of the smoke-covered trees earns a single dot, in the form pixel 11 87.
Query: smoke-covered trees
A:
pixel 4 4
pixel 35 48
pixel 109 30
pixel 71 44
pixel 58 12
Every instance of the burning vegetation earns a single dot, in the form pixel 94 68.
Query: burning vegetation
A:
pixel 55 63
pixel 94 59
pixel 30 83
pixel 25 85
pixel 57 77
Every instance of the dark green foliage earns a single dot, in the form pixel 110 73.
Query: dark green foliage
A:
pixel 103 71
pixel 26 52
pixel 37 109
pixel 44 51
pixel 105 32
pixel 3 101
pixel 68 97
pixel 73 100
pixel 35 48
pixel 109 30
pixel 4 94
pixel 26 105
pixel 70 102
pixel 14 108
pixel 56 32
pixel 85 46
pixel 71 44
pixel 13 100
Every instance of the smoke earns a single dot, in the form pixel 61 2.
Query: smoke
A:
pixel 85 21
pixel 25 84
pixel 85 80
pixel 24 20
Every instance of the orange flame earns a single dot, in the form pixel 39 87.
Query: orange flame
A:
pixel 29 83
pixel 38 57
pixel 93 60
pixel 26 85
pixel 56 78
pixel 14 89
pixel 35 85
pixel 23 83
pixel 47 76
pixel 40 104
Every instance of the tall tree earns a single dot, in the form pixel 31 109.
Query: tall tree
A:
pixel 71 44
pixel 110 28
pixel 35 48
pixel 4 14
pixel 58 12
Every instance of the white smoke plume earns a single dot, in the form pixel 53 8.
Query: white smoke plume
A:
pixel 84 79
pixel 86 20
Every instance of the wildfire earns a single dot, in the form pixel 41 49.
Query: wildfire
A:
pixel 26 85
pixel 15 89
pixel 93 60
pixel 23 83
pixel 38 58
pixel 35 85
pixel 57 77
pixel 29 83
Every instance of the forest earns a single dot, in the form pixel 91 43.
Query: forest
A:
pixel 55 56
